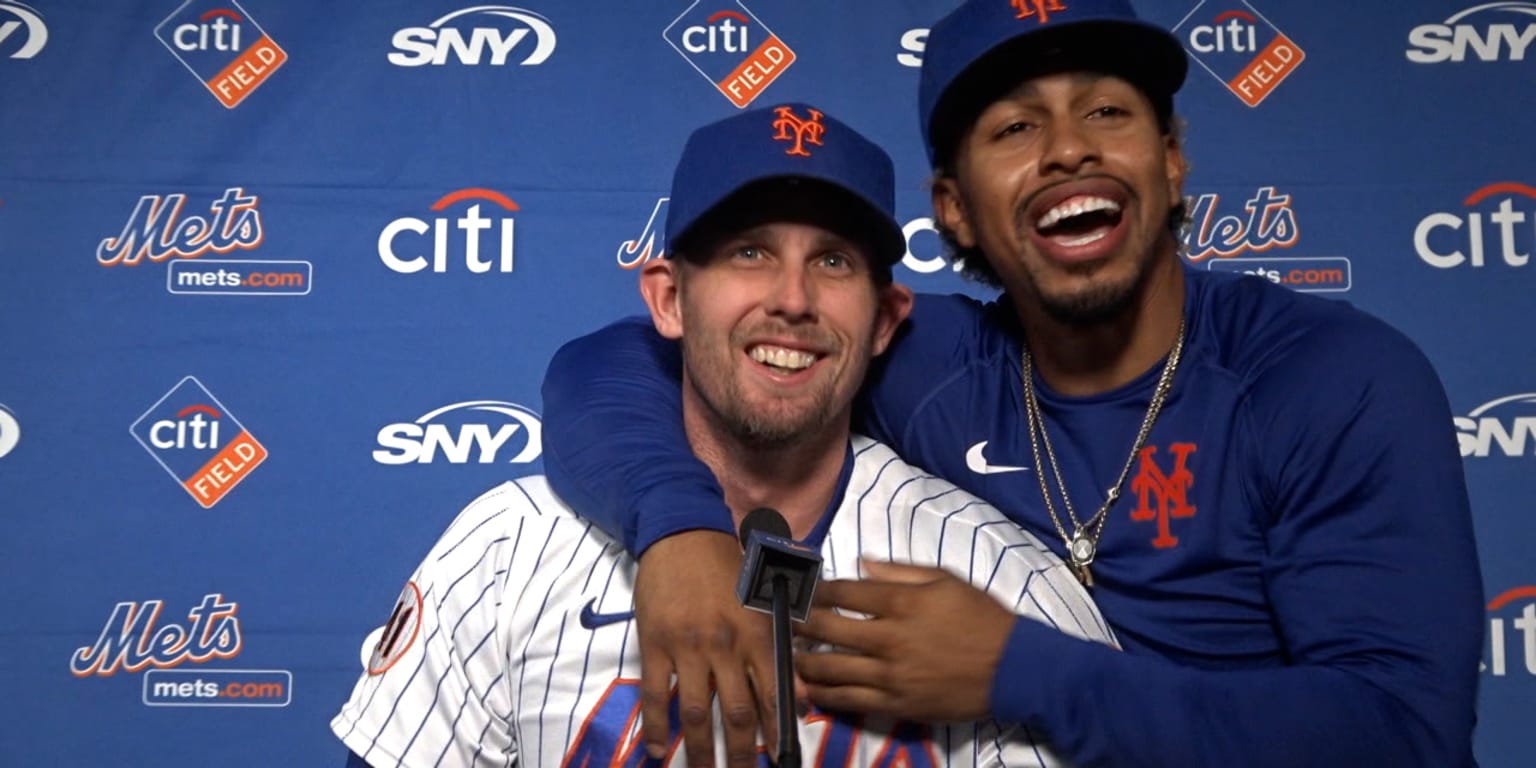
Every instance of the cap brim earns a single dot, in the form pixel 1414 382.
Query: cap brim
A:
pixel 800 198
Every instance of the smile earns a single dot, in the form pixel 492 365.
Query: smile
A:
pixel 781 357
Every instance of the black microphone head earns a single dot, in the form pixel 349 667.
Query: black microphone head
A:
pixel 763 519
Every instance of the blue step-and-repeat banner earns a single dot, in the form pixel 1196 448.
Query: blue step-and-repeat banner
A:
pixel 279 281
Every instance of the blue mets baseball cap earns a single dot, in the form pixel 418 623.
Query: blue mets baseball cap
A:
pixel 762 163
pixel 984 48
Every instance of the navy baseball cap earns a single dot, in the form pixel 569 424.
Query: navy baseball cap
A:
pixel 793 157
pixel 984 48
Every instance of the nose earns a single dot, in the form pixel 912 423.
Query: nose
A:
pixel 793 293
pixel 1067 146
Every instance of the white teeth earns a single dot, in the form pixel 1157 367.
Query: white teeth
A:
pixel 780 357
pixel 1084 240
pixel 1076 206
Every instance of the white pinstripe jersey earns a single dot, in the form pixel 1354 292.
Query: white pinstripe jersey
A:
pixel 513 642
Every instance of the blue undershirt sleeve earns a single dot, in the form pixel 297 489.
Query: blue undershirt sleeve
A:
pixel 614 445
pixel 1372 575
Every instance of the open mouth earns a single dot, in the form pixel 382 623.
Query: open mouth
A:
pixel 782 359
pixel 1079 220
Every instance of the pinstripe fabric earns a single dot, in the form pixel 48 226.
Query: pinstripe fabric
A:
pixel 503 672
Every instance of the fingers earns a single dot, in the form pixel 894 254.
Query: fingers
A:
pixel 866 636
pixel 655 694
pixel 694 709
pixel 764 678
pixel 852 699
pixel 904 573
pixel 875 598
pixel 833 668
pixel 738 711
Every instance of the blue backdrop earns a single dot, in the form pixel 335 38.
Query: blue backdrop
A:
pixel 279 281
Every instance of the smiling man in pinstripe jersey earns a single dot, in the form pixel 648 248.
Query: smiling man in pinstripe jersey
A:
pixel 513 642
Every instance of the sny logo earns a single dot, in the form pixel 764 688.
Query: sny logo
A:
pixel 1171 490
pixel 36 35
pixel 1478 432
pixel 198 442
pixel 1506 218
pixel 212 42
pixel 1240 48
pixel 793 128
pixel 434 43
pixel 1040 9
pixel 720 46
pixel 156 230
pixel 651 243
pixel 471 225
pixel 1452 39
pixel 130 641
pixel 446 430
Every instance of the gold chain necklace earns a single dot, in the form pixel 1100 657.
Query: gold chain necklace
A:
pixel 1083 542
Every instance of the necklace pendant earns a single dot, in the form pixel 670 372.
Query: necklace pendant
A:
pixel 1084 575
pixel 1081 551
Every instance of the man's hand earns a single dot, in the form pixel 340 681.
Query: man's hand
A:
pixel 927 653
pixel 692 625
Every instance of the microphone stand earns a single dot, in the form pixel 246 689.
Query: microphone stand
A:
pixel 789 732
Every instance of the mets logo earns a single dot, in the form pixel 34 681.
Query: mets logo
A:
pixel 133 639
pixel 1169 491
pixel 1040 9
pixel 391 641
pixel 792 127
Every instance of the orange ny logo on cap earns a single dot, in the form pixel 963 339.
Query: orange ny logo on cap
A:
pixel 1039 8
pixel 792 127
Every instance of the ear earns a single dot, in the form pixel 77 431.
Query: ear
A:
pixel 661 287
pixel 1175 166
pixel 949 211
pixel 894 305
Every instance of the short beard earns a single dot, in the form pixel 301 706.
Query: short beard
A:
pixel 756 430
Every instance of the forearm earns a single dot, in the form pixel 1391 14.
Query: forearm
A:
pixel 1102 707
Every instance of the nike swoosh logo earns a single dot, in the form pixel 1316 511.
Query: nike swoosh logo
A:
pixel 591 619
pixel 978 463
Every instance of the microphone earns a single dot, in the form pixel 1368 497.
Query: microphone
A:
pixel 778 576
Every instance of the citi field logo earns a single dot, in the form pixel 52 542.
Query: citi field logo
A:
pixel 730 47
pixel 22 30
pixel 479 431
pixel 1268 221
pixel 222 46
pixel 1162 496
pixel 651 243
pixel 1510 432
pixel 1487 32
pixel 198 442
pixel 1512 633
pixel 484 34
pixel 10 431
pixel 798 131
pixel 1040 10
pixel 1447 240
pixel 1235 43
pixel 405 234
